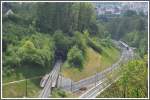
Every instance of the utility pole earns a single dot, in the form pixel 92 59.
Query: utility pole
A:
pixel 96 75
pixel 95 78
pixel 61 75
pixel 26 87
pixel 71 85
pixel 50 83
pixel 60 79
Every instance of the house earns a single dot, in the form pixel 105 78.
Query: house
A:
pixel 9 12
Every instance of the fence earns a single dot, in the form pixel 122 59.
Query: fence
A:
pixel 69 85
pixel 74 86
pixel 31 87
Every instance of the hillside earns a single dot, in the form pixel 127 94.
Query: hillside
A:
pixel 95 62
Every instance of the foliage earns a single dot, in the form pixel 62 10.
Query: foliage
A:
pixel 37 49
pixel 132 84
pixel 10 60
pixel 130 13
pixel 80 40
pixel 139 40
pixel 15 29
pixel 75 57
pixel 62 43
pixel 95 46
pixel 68 17
pixel 93 62
pixel 99 44
pixel 131 27
pixel 59 93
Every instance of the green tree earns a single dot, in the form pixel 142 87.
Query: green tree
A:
pixel 62 43
pixel 81 40
pixel 134 80
pixel 86 16
pixel 68 17
pixel 130 13
pixel 37 49
pixel 75 57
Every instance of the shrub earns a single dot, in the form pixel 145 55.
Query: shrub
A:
pixel 62 44
pixel 75 57
pixel 95 46
pixel 38 49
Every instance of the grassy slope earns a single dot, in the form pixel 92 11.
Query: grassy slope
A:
pixel 24 72
pixel 19 89
pixel 94 62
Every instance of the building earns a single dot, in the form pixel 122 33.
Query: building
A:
pixel 9 12
pixel 118 8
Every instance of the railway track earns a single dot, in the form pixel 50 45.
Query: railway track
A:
pixel 104 83
pixel 51 81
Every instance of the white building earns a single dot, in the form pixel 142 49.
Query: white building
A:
pixel 9 12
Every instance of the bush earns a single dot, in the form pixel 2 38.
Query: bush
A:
pixel 80 40
pixel 75 57
pixel 62 44
pixel 95 46
pixel 38 49
pixel 57 93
